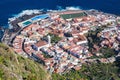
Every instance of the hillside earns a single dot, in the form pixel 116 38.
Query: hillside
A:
pixel 15 67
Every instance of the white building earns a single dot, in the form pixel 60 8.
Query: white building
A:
pixel 39 45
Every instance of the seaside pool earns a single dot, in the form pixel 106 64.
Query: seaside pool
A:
pixel 32 20
pixel 26 23
pixel 39 17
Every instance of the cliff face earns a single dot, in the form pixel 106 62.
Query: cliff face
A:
pixel 15 67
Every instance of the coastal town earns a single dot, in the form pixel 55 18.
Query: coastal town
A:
pixel 59 40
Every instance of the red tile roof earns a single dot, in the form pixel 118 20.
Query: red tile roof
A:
pixel 40 43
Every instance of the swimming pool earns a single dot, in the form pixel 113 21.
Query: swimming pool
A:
pixel 39 17
pixel 26 23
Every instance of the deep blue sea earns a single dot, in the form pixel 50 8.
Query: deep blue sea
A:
pixel 8 8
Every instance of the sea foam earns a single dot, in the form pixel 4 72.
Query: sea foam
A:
pixel 73 8
pixel 24 12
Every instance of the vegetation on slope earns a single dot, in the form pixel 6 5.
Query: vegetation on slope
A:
pixel 93 71
pixel 15 67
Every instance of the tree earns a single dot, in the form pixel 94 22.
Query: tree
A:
pixel 54 38
pixel 107 52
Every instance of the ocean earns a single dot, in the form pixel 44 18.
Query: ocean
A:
pixel 10 8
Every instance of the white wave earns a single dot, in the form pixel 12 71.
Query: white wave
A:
pixel 73 8
pixel 24 12
pixel 60 8
pixel 69 8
